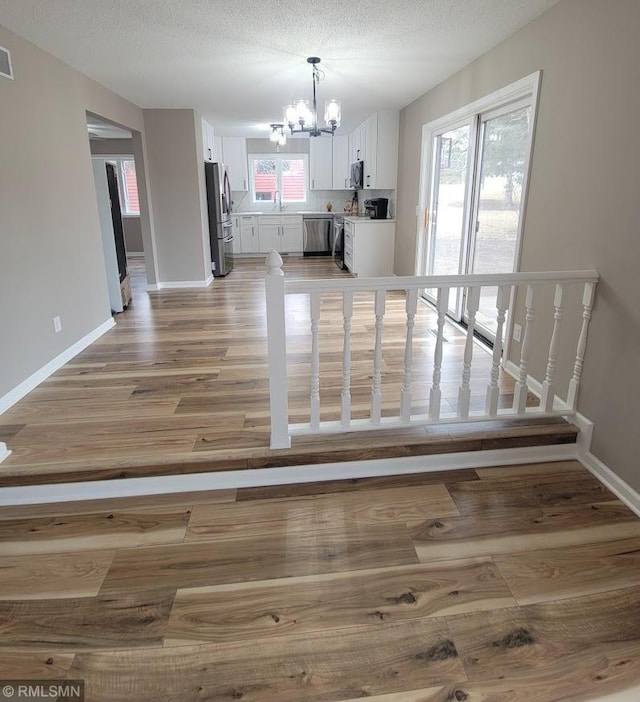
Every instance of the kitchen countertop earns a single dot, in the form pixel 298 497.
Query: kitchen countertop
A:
pixel 286 213
pixel 364 218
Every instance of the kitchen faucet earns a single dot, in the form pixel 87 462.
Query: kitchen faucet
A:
pixel 277 200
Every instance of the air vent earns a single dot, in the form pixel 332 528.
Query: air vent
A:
pixel 5 63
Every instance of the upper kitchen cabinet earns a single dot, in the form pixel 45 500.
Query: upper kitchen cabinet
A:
pixel 321 163
pixel 234 151
pixel 381 150
pixel 217 151
pixel 208 141
pixel 341 162
pixel 356 144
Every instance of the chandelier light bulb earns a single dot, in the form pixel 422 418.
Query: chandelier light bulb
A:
pixel 303 114
pixel 290 116
pixel 332 112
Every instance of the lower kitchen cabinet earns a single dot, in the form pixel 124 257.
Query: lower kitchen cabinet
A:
pixel 249 237
pixel 369 246
pixel 282 233
pixel 235 228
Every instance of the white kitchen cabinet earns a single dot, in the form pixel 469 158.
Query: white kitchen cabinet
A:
pixel 208 141
pixel 356 144
pixel 249 235
pixel 381 160
pixel 370 157
pixel 369 246
pixel 237 239
pixel 341 163
pixel 282 233
pixel 292 238
pixel 270 239
pixel 234 152
pixel 217 149
pixel 320 163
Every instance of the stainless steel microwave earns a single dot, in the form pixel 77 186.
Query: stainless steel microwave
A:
pixel 357 175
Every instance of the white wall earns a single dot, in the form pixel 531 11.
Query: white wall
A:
pixel 176 168
pixel 51 258
pixel 583 209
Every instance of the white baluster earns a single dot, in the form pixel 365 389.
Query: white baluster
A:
pixel 277 352
pixel 314 303
pixel 493 392
pixel 405 393
pixel 574 383
pixel 347 313
pixel 435 394
pixel 546 399
pixel 376 392
pixel 521 389
pixel 464 394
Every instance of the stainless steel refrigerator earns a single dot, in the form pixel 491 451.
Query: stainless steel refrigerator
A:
pixel 219 211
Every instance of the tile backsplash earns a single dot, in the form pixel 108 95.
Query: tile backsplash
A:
pixel 318 200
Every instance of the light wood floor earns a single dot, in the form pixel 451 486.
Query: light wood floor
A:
pixel 518 584
pixel 181 384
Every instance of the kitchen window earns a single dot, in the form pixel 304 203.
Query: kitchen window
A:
pixel 128 187
pixel 278 176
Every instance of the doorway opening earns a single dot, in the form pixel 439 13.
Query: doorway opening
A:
pixel 121 210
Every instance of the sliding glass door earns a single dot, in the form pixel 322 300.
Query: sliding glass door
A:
pixel 448 214
pixel 475 201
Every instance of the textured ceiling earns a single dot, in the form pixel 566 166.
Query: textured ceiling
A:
pixel 240 61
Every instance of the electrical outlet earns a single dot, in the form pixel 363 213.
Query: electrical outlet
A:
pixel 57 324
pixel 517 332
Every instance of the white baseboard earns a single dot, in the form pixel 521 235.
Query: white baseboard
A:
pixel 179 284
pixel 535 386
pixel 610 480
pixel 36 378
pixel 135 254
pixel 4 451
pixel 259 477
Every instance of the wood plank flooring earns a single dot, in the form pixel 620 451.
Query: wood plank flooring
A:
pixel 180 385
pixel 502 584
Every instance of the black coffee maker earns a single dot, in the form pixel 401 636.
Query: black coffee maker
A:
pixel 377 207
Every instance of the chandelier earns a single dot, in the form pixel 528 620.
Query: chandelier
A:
pixel 300 118
pixel 277 135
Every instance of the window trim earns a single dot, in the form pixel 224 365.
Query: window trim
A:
pixel 278 157
pixel 124 199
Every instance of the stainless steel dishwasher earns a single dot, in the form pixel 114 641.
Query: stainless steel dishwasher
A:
pixel 318 231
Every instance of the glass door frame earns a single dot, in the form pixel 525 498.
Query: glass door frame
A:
pixel 431 220
pixel 481 120
pixel 527 88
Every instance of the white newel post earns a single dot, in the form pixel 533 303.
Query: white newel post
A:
pixel 277 352
pixel 547 397
pixel 574 383
pixel 522 389
pixel 435 394
pixel 464 393
pixel 493 391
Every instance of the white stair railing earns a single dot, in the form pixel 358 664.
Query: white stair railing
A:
pixel 278 287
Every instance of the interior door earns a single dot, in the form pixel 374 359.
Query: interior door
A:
pixel 116 216
pixel 503 151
